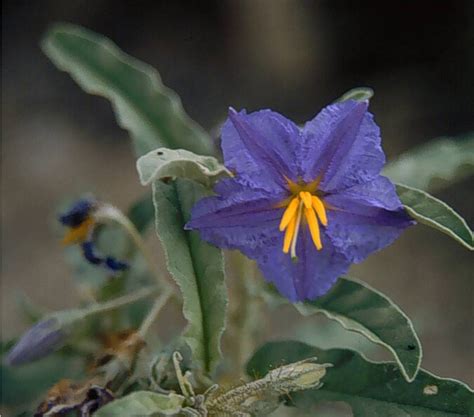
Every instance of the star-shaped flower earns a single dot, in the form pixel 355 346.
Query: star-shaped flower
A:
pixel 305 203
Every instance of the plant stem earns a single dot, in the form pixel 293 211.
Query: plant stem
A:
pixel 243 320
pixel 154 312
pixel 108 212
pixel 121 301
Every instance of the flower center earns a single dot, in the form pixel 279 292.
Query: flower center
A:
pixel 303 205
pixel 79 233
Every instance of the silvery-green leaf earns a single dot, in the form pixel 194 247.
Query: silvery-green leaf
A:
pixel 435 164
pixel 371 389
pixel 434 213
pixel 263 396
pixel 179 163
pixel 143 404
pixel 362 309
pixel 151 112
pixel 357 94
pixel 196 266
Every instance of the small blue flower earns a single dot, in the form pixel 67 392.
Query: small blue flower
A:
pixel 44 338
pixel 88 250
pixel 115 265
pixel 79 220
pixel 78 213
pixel 305 203
pixel 82 224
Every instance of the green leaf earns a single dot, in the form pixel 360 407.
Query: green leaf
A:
pixel 434 165
pixel 371 389
pixel 169 163
pixel 142 213
pixel 357 94
pixel 144 106
pixel 432 212
pixel 364 310
pixel 263 396
pixel 143 404
pixel 197 267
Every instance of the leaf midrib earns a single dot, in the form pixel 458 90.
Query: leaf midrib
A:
pixel 205 333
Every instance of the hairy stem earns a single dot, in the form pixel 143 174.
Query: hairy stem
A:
pixel 244 314
pixel 108 212
pixel 121 301
pixel 160 302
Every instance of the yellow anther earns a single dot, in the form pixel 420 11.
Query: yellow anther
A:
pixel 320 210
pixel 313 227
pixel 289 234
pixel 297 230
pixel 289 213
pixel 303 196
pixel 306 197
pixel 79 233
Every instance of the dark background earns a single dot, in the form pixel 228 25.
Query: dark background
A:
pixel 291 56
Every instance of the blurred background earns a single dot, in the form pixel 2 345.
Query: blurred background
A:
pixel 292 56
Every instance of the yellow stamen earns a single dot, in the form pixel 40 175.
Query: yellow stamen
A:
pixel 320 210
pixel 313 227
pixel 289 234
pixel 79 233
pixel 297 229
pixel 303 196
pixel 289 213
pixel 306 197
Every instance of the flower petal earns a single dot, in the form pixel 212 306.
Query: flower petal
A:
pixel 239 218
pixel 342 144
pixel 260 148
pixel 311 276
pixel 366 218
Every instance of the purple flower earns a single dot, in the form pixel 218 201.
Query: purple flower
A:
pixel 305 203
pixel 81 223
pixel 44 338
pixel 78 213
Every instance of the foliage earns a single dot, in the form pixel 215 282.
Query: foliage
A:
pixel 175 156
pixel 364 310
pixel 372 389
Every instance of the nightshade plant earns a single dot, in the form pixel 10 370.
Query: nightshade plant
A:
pixel 303 202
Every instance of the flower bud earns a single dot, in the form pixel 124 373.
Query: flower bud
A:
pixel 44 338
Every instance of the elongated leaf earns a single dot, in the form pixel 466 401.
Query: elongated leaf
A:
pixel 143 404
pixel 434 213
pixel 364 310
pixel 371 389
pixel 151 112
pixel 261 397
pixel 154 117
pixel 196 266
pixel 357 94
pixel 434 165
pixel 169 163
